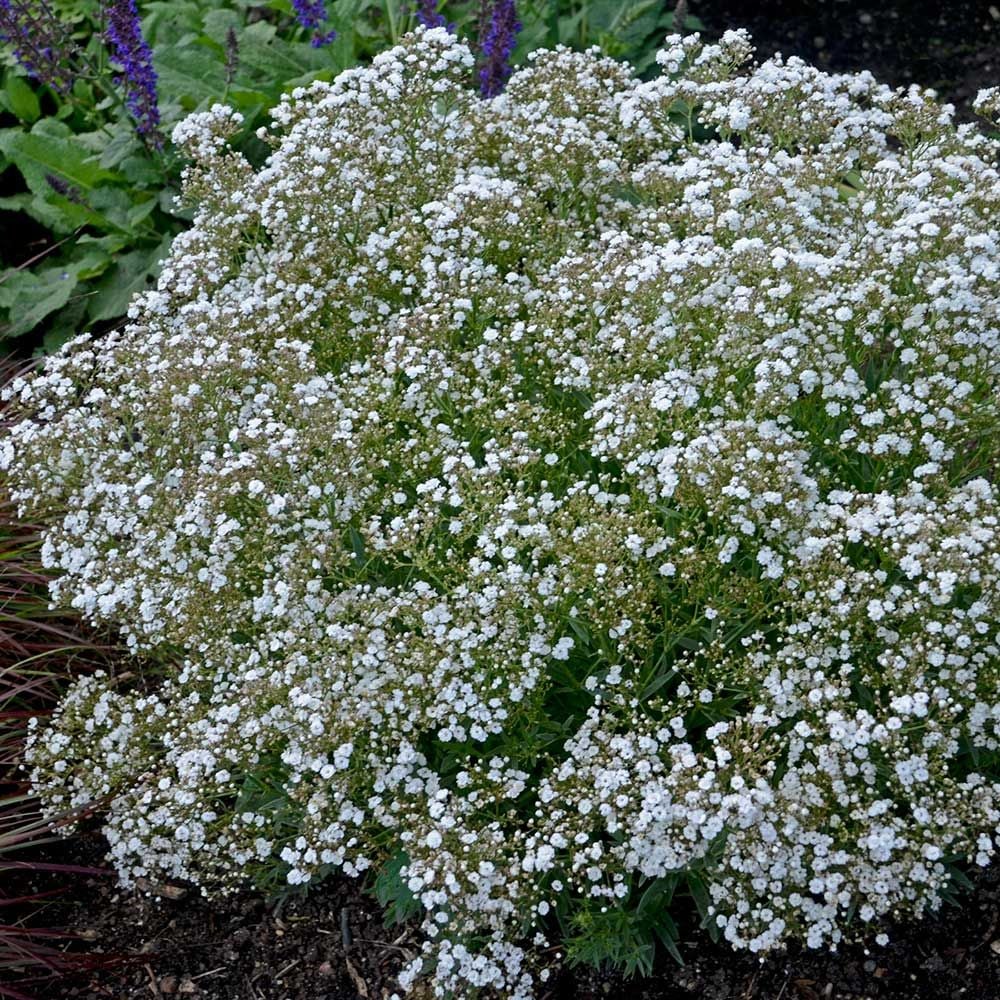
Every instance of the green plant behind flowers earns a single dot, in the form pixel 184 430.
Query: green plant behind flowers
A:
pixel 96 201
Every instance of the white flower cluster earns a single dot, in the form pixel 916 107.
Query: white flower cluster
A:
pixel 566 490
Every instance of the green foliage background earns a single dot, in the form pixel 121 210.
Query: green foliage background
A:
pixel 72 259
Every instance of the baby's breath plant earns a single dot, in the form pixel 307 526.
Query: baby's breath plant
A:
pixel 560 504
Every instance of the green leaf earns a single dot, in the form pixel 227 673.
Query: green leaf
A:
pixel 666 931
pixel 117 209
pixel 130 275
pixel 123 144
pixel 275 63
pixel 657 897
pixel 393 894
pixel 192 73
pixel 16 202
pixel 658 683
pixel 552 23
pixel 110 244
pixel 218 22
pixel 141 171
pixel 249 98
pixel 165 22
pixel 357 544
pixel 37 153
pixel 702 900
pixel 167 201
pixel 30 296
pixel 68 322
pixel 21 99
pixel 71 214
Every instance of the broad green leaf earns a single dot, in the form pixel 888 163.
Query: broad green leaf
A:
pixel 141 171
pixel 29 296
pixel 275 63
pixel 37 154
pixel 37 208
pixel 249 98
pixel 167 200
pixel 67 323
pixel 124 144
pixel 115 206
pixel 83 92
pixel 130 274
pixel 167 21
pixel 16 202
pixel 110 244
pixel 141 209
pixel 194 71
pixel 218 22
pixel 21 99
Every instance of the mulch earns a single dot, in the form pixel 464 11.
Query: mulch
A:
pixel 168 942
pixel 950 45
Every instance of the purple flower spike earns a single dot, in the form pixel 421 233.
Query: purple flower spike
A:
pixel 131 52
pixel 39 42
pixel 322 38
pixel 497 46
pixel 311 14
pixel 429 16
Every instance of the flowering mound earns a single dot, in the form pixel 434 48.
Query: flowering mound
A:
pixel 550 501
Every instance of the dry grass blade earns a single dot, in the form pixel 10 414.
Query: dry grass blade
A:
pixel 41 650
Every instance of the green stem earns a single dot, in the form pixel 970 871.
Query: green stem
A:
pixel 390 16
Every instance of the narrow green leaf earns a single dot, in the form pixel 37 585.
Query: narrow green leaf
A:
pixel 666 931
pixel 658 683
pixel 702 900
pixel 357 544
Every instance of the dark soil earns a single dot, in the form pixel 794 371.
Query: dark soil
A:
pixel 953 47
pixel 332 945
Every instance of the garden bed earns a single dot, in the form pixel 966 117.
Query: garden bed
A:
pixel 165 940
pixel 953 47
pixel 242 949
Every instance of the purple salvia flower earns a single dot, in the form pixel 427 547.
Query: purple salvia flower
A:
pixel 232 55
pixel 497 46
pixel 322 38
pixel 131 52
pixel 61 187
pixel 311 14
pixel 429 16
pixel 39 42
